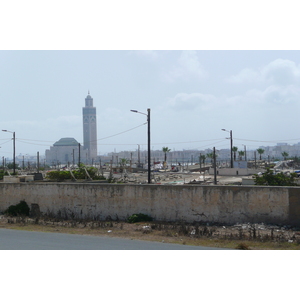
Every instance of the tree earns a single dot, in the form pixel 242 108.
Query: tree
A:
pixel 234 150
pixel 241 154
pixel 123 164
pixel 166 150
pixel 211 156
pixel 260 152
pixel 11 166
pixel 280 179
pixel 202 157
pixel 285 155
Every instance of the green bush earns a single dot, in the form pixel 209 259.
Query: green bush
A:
pixel 21 209
pixel 2 174
pixel 280 179
pixel 58 175
pixel 139 218
pixel 78 174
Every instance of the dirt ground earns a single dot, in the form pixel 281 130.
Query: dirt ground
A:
pixel 239 236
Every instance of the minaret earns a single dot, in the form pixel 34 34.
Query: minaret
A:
pixel 89 128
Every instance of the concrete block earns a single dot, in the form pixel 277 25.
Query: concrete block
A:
pixel 11 179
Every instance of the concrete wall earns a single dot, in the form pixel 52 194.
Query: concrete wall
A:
pixel 226 204
pixel 234 171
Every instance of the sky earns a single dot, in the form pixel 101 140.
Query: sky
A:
pixel 193 94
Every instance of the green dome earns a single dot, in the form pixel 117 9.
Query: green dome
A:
pixel 66 142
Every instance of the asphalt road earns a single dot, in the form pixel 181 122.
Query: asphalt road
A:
pixel 32 240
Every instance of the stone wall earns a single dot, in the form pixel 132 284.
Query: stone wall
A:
pixel 226 204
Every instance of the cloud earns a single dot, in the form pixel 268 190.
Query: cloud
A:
pixel 183 101
pixel 278 72
pixel 246 75
pixel 281 72
pixel 281 95
pixel 187 67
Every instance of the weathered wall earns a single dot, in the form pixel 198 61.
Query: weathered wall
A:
pixel 227 204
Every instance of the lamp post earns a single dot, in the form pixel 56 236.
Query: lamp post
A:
pixel 149 157
pixel 231 159
pixel 14 152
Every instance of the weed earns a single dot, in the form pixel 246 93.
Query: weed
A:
pixel 139 218
pixel 21 209
pixel 242 246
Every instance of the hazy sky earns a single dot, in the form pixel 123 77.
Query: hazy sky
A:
pixel 192 96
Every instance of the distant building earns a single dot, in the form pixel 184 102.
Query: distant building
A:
pixel 89 128
pixel 65 151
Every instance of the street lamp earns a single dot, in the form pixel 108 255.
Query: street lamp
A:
pixel 14 154
pixel 149 157
pixel 231 159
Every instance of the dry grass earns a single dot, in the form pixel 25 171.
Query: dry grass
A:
pixel 169 233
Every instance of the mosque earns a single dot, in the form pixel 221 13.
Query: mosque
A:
pixel 69 151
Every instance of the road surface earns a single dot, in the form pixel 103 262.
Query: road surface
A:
pixel 32 240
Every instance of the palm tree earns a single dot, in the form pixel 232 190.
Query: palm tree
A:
pixel 285 155
pixel 211 156
pixel 260 152
pixel 202 157
pixel 234 150
pixel 241 153
pixel 166 150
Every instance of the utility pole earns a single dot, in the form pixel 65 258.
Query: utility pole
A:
pixel 38 162
pixel 14 151
pixel 139 157
pixel 78 155
pixel 149 147
pixel 149 159
pixel 215 167
pixel 200 162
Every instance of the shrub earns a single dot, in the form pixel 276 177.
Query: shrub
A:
pixel 280 179
pixel 242 246
pixel 58 175
pixel 2 174
pixel 139 218
pixel 21 209
pixel 78 174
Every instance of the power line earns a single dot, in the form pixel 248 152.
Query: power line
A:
pixel 120 132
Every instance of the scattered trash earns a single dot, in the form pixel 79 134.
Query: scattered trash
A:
pixel 224 227
pixel 109 231
pixel 290 241
pixel 193 231
pixel 146 227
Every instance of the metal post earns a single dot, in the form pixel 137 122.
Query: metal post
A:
pixel 215 167
pixel 149 154
pixel 200 162
pixel 78 155
pixel 231 142
pixel 38 162
pixel 139 158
